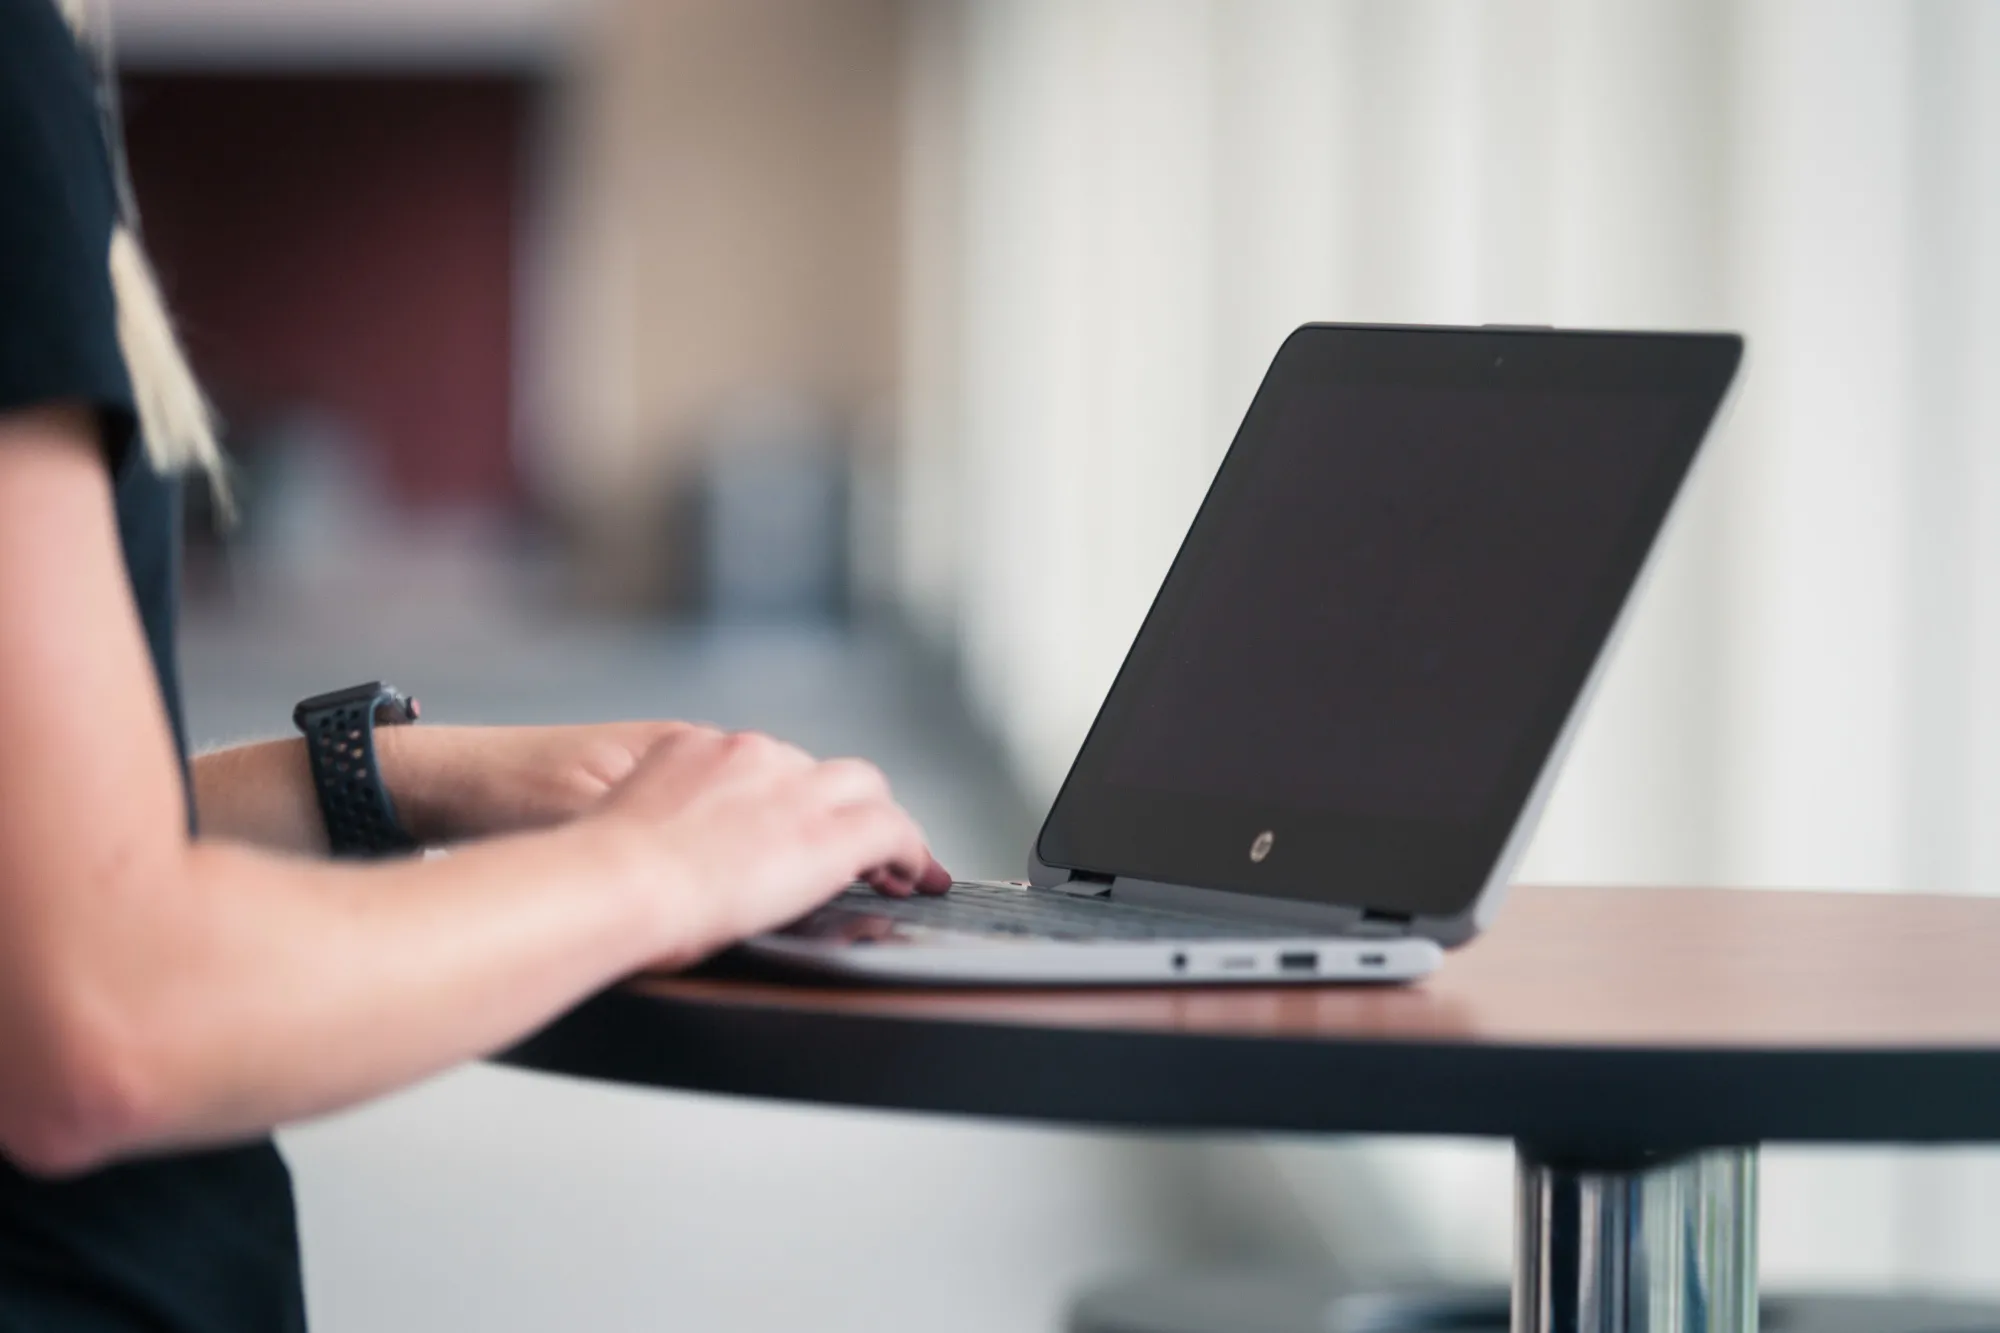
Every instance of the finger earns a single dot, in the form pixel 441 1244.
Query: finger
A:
pixel 934 877
pixel 675 759
pixel 644 738
pixel 876 836
pixel 681 741
pixel 768 754
pixel 888 883
pixel 846 782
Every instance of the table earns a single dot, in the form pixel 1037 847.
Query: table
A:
pixel 1636 1044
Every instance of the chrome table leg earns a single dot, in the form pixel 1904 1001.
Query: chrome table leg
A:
pixel 1662 1245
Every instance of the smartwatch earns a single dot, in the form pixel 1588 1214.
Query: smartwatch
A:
pixel 340 745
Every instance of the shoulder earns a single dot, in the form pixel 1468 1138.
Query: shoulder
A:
pixel 47 99
pixel 58 207
pixel 27 23
pixel 51 134
pixel 40 62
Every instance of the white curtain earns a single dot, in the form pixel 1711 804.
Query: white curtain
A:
pixel 1117 208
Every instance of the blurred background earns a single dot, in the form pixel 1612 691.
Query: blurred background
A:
pixel 850 369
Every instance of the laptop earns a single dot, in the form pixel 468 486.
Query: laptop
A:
pixel 1327 747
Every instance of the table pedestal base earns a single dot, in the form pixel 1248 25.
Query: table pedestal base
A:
pixel 1653 1245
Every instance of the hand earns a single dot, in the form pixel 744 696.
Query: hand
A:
pixel 454 783
pixel 761 833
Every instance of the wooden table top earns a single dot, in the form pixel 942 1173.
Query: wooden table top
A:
pixel 1585 1016
pixel 1655 967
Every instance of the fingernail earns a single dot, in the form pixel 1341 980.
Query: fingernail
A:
pixel 889 882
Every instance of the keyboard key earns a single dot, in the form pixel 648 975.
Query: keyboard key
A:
pixel 986 909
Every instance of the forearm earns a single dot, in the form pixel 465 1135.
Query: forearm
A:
pixel 261 794
pixel 261 989
pixel 446 783
pixel 157 992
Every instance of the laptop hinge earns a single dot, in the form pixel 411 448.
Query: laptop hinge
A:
pixel 1384 924
pixel 1085 884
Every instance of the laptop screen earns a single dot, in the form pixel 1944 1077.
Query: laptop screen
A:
pixel 1387 606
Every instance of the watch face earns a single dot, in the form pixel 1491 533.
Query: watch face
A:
pixel 387 707
pixel 353 694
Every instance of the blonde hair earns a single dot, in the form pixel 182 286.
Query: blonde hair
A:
pixel 176 421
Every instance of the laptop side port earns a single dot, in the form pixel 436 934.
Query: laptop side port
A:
pixel 1305 961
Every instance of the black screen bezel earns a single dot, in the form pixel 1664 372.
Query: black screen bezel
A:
pixel 1405 867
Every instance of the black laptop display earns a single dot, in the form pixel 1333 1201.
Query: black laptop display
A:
pixel 1376 628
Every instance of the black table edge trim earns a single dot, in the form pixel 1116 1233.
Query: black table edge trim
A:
pixel 1571 1099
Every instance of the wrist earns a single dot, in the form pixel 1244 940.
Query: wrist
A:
pixel 408 760
pixel 340 728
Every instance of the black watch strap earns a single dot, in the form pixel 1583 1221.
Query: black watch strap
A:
pixel 340 745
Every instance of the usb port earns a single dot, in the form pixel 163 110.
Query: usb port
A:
pixel 1298 962
pixel 1374 960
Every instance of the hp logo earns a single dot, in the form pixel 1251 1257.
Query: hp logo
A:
pixel 1260 846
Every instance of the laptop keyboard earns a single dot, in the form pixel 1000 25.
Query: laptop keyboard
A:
pixel 989 909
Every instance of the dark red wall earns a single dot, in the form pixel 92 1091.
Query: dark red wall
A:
pixel 346 243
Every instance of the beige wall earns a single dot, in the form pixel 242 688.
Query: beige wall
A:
pixel 723 200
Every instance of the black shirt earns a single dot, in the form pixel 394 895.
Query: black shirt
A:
pixel 204 1243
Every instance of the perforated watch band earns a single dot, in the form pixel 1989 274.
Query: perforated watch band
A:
pixel 340 745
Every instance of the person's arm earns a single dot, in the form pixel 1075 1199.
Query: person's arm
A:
pixel 448 783
pixel 157 992
pixel 260 794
